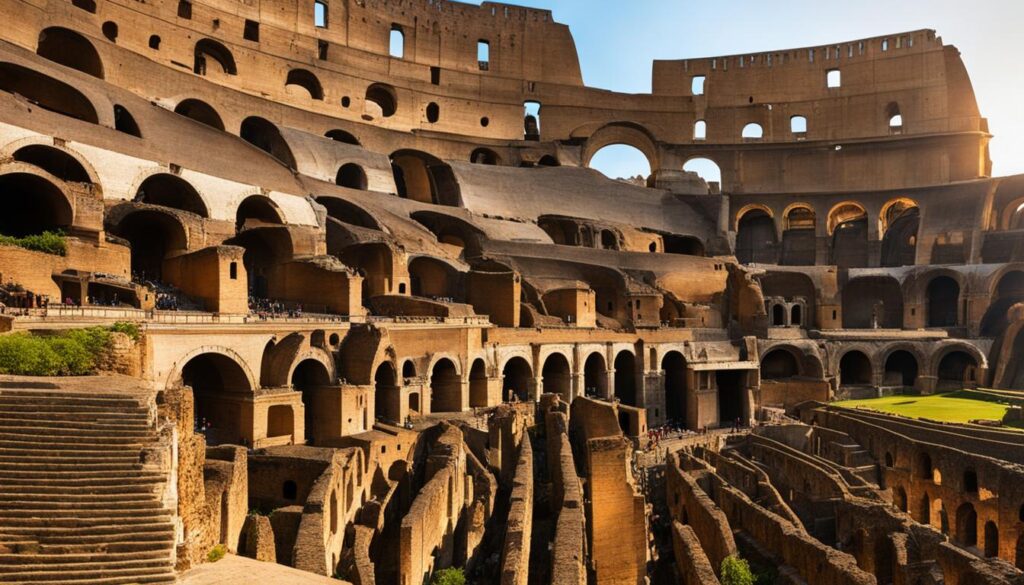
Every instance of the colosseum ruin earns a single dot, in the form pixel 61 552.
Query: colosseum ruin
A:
pixel 328 291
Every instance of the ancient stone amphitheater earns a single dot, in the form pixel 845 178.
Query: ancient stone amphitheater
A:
pixel 388 321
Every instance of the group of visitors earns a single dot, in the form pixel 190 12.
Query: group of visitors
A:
pixel 267 308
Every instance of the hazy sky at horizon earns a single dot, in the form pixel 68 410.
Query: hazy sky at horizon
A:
pixel 617 40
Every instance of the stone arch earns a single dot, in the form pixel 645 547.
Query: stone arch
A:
pixel 257 209
pixel 923 513
pixel 201 112
pixel 209 48
pixel 33 203
pixel 956 366
pixel 478 384
pixel 625 377
pixel 1006 288
pixel 779 363
pixel 387 396
pixel 47 92
pixel 673 366
pixel 847 224
pixel 265 136
pixel 799 235
pixel 167 190
pixel 342 136
pixel 155 233
pixel 309 376
pixel 265 248
pixel 627 133
pixel 484 156
pixel 306 80
pixel 595 375
pixel 348 212
pixel 517 378
pixel 991 539
pixel 433 277
pixel 62 163
pixel 69 49
pixel 445 386
pixel 219 382
pixel 902 366
pixel 966 525
pixel 352 176
pixel 898 223
pixel 556 376
pixel 384 101
pixel 901 499
pixel 425 178
pixel 756 235
pixel 855 368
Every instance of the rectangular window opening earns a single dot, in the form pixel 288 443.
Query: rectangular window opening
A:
pixel 320 14
pixel 252 31
pixel 697 84
pixel 483 55
pixel 396 46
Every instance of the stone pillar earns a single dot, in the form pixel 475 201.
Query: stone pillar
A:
pixel 609 387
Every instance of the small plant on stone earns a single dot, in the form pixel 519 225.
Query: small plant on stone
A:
pixel 736 571
pixel 450 576
pixel 216 553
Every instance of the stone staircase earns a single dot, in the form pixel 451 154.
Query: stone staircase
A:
pixel 77 503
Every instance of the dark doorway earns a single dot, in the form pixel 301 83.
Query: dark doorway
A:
pixel 730 396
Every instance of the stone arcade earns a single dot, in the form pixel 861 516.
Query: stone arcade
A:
pixel 392 322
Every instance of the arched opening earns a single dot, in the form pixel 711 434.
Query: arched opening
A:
pixel 387 399
pixel 265 249
pixel 445 387
pixel 396 42
pixel 848 226
pixel 796 315
pixel 153 236
pixel 755 238
pixel 1008 292
pixel 706 169
pixel 556 376
pixel 154 42
pixel 433 112
pixel 900 220
pixel 348 212
pixel 798 125
pixel 900 369
pixel 257 211
pixel 484 156
pixel 943 300
pixel 923 466
pixel 125 122
pixel 595 376
pixel 69 49
pixel 901 499
pixel 517 378
pixel 531 120
pixel 86 5
pixel 872 302
pixel 700 130
pixel 32 205
pixel 342 136
pixel 305 83
pixel 622 162
pixel 888 459
pixel 171 191
pixel 266 137
pixel 309 377
pixel 211 49
pixel 674 367
pixel 854 369
pixel 625 378
pixel 424 178
pixel 201 112
pixel 779 364
pixel 352 176
pixel 795 288
pixel 609 241
pixel 110 30
pixel 381 102
pixel 731 396
pixel 924 510
pixel 798 239
pixel 991 539
pixel 956 370
pixel 753 131
pixel 478 384
pixel 685 245
pixel 892 113
pixel 46 92
pixel 433 278
pixel 967 525
pixel 778 316
pixel 54 161
pixel 219 386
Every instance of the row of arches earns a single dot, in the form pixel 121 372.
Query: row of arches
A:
pixel 847 226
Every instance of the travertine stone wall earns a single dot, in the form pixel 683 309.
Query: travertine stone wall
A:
pixel 617 512
pixel 689 504
pixel 693 565
pixel 515 556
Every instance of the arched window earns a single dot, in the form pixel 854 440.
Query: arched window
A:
pixel 301 78
pixel 342 136
pixel 54 161
pixel 484 156
pixel 211 49
pixel 124 122
pixel 46 92
pixel 352 176
pixel 433 112
pixel 320 14
pixel 109 29
pixel 154 42
pixel 798 125
pixel 396 46
pixel 32 205
pixel 756 240
pixel 86 5
pixel 753 131
pixel 70 49
pixel 381 101
pixel 264 135
pixel 200 112
pixel 531 120
pixel 621 161
pixel 700 130
pixel 892 113
pixel 706 169
pixel 172 191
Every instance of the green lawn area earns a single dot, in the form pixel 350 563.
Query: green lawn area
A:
pixel 956 407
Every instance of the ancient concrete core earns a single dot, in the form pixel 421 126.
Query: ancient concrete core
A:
pixel 390 322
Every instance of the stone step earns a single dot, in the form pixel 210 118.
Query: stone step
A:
pixel 71 564
pixel 68 533
pixel 64 434
pixel 112 503
pixel 47 456
pixel 107 486
pixel 41 423
pixel 70 466
pixel 65 477
pixel 12 498
pixel 17 406
pixel 57 441
pixel 67 448
pixel 112 401
pixel 95 576
pixel 13 521
pixel 126 545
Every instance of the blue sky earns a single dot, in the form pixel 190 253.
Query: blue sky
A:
pixel 617 40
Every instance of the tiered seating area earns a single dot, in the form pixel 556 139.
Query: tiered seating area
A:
pixel 78 504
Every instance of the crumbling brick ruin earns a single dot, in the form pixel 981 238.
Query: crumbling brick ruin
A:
pixel 370 315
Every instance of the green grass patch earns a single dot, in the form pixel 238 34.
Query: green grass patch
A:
pixel 956 407
pixel 75 352
pixel 48 242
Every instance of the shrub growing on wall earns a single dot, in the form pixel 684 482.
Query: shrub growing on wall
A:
pixel 451 576
pixel 736 571
pixel 69 353
pixel 48 242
